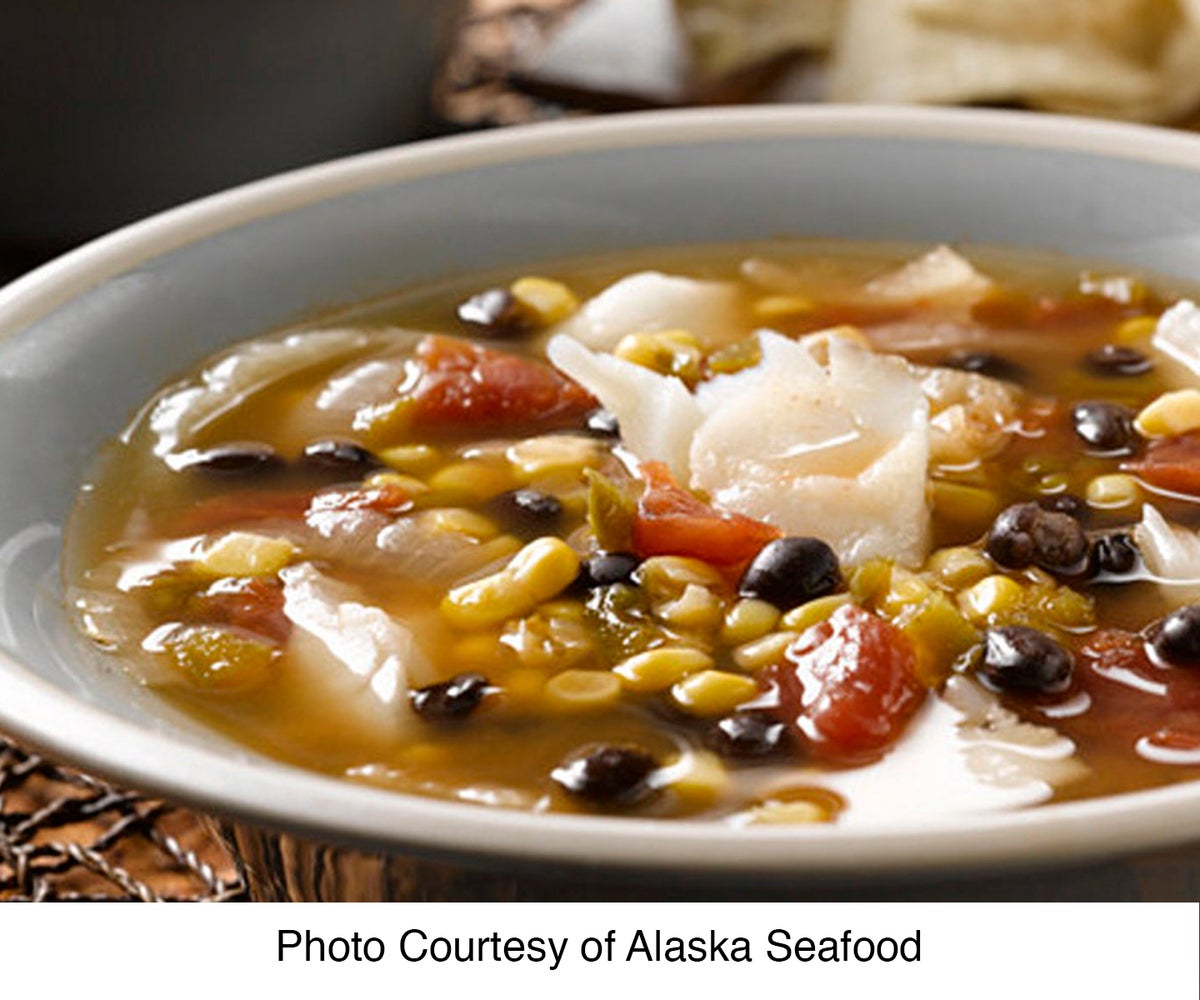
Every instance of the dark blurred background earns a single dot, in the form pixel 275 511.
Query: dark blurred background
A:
pixel 111 110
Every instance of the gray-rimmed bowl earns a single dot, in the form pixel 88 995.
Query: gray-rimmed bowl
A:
pixel 87 338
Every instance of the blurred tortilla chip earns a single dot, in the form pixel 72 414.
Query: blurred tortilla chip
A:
pixel 1133 29
pixel 1055 56
pixel 728 36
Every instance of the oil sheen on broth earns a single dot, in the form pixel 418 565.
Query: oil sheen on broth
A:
pixel 774 533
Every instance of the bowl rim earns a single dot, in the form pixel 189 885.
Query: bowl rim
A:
pixel 286 797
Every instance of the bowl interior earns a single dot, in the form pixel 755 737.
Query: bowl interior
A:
pixel 83 342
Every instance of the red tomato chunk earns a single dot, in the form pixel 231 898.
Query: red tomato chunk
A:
pixel 670 521
pixel 848 685
pixel 464 385
pixel 1171 464
pixel 252 603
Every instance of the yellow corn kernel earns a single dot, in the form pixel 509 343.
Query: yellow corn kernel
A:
pixel 410 459
pixel 966 506
pixel 905 590
pixel 540 571
pixel 1172 413
pixel 657 669
pixel 1113 491
pixel 763 652
pixel 461 521
pixel 665 577
pixel 583 690
pixel 697 609
pixel 245 553
pixel 713 692
pixel 563 608
pixel 409 484
pixel 471 481
pixel 1136 330
pixel 958 566
pixel 382 426
pixel 544 300
pixel 668 352
pixel 813 612
pixel 747 620
pixel 795 812
pixel 870 580
pixel 779 306
pixel 698 779
pixel 554 453
pixel 549 643
pixel 992 595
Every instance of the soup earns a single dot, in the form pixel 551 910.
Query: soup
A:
pixel 778 533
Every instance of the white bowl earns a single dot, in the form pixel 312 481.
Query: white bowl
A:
pixel 85 339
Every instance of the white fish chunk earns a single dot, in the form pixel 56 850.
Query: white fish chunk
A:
pixel 1171 553
pixel 649 301
pixel 354 659
pixel 1177 336
pixel 941 276
pixel 657 414
pixel 838 453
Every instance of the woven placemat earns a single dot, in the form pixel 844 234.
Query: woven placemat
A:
pixel 67 836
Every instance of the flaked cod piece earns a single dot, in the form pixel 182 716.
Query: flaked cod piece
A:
pixel 650 301
pixel 838 451
pixel 351 664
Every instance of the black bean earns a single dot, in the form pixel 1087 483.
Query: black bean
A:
pixel 1018 658
pixel 1106 427
pixel 1175 640
pixel 606 774
pixel 984 363
pixel 606 568
pixel 238 458
pixel 790 571
pixel 603 423
pixel 748 734
pixel 527 513
pixel 342 457
pixel 1026 535
pixel 1065 503
pixel 451 700
pixel 1115 554
pixel 494 312
pixel 1118 360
